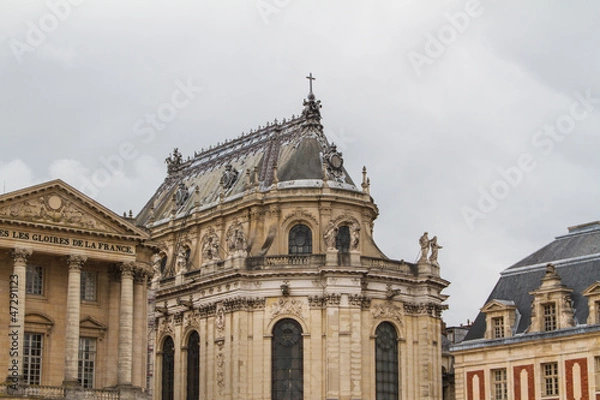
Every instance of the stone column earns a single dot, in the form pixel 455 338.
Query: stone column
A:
pixel 16 308
pixel 139 329
pixel 75 263
pixel 124 368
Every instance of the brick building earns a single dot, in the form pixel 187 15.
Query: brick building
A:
pixel 538 334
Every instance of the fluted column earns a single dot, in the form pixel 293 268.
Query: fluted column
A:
pixel 75 263
pixel 126 325
pixel 17 312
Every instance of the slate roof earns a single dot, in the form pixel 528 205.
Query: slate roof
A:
pixel 577 260
pixel 297 147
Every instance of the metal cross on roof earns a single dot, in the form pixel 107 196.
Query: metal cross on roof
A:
pixel 310 79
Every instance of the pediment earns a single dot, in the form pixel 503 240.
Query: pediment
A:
pixel 592 290
pixel 40 319
pixel 90 323
pixel 498 305
pixel 57 205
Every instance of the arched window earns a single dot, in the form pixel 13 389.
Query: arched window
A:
pixel 163 264
pixel 193 367
pixel 168 370
pixel 386 362
pixel 300 240
pixel 287 375
pixel 342 240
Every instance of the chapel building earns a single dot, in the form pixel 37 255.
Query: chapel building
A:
pixel 268 283
pixel 538 334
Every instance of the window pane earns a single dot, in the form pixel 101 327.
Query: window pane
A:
pixel 300 240
pixel 342 240
pixel 88 285
pixel 386 362
pixel 32 358
pixel 34 279
pixel 193 367
pixel 550 379
pixel 550 317
pixel 287 375
pixel 86 362
pixel 168 369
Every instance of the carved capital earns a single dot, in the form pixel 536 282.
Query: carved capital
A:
pixel 21 254
pixel 76 261
pixel 127 269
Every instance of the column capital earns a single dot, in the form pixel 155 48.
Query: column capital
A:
pixel 76 261
pixel 127 268
pixel 21 254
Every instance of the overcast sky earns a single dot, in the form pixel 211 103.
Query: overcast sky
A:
pixel 478 121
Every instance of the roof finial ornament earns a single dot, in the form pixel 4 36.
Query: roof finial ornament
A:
pixel 311 106
pixel 310 81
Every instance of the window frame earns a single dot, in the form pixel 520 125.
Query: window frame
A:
pixel 550 381
pixel 29 377
pixel 304 249
pixel 85 274
pixel 86 362
pixel 499 387
pixel 497 327
pixel 549 317
pixel 287 350
pixel 387 364
pixel 34 284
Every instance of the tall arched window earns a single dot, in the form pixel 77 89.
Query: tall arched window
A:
pixel 193 367
pixel 300 240
pixel 287 375
pixel 168 370
pixel 163 264
pixel 386 362
pixel 342 239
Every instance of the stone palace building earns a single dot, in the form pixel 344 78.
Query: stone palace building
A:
pixel 251 273
pixel 269 284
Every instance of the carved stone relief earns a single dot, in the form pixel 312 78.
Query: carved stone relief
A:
pixel 287 306
pixel 55 210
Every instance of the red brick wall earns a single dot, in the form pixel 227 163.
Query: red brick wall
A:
pixel 517 382
pixel 470 376
pixel 569 364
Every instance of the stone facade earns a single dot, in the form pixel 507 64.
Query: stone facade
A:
pixel 264 241
pixel 538 335
pixel 71 275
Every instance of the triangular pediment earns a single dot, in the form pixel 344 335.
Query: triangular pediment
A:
pixel 90 323
pixel 57 205
pixel 498 305
pixel 592 290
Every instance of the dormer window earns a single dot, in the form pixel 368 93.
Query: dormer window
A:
pixel 549 317
pixel 498 327
pixel 501 318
